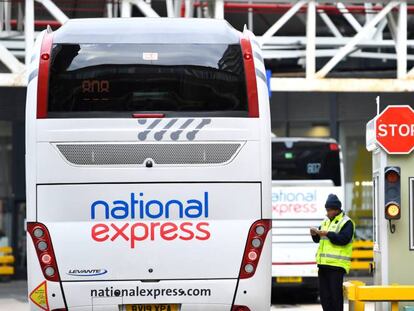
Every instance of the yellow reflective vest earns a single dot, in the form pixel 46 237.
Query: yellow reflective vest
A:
pixel 335 255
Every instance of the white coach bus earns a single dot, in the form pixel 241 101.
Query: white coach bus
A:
pixel 304 172
pixel 148 168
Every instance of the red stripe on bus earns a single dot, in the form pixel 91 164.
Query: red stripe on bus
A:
pixel 250 74
pixel 43 77
pixel 148 115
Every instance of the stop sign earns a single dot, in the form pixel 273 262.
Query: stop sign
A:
pixel 394 129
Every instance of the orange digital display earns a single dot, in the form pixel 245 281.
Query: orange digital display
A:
pixel 95 86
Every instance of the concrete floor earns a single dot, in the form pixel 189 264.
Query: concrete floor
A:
pixel 13 298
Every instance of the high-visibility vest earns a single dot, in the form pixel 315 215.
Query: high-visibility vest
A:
pixel 331 254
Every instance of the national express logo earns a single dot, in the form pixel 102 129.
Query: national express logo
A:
pixel 138 208
pixel 294 202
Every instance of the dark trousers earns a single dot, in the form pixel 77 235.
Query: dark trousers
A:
pixel 330 288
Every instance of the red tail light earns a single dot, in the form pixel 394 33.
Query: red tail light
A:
pixel 44 249
pixel 250 74
pixel 240 308
pixel 334 147
pixel 254 246
pixel 43 76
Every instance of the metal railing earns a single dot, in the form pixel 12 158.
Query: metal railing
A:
pixel 362 256
pixel 6 261
pixel 369 30
pixel 358 293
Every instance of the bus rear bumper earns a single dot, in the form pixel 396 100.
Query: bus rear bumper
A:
pixel 191 295
pixel 184 307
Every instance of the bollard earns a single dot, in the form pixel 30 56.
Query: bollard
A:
pixel 351 291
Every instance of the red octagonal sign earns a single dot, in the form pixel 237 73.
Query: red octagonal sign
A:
pixel 394 129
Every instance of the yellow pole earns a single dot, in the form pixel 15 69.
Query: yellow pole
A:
pixel 360 306
pixel 394 306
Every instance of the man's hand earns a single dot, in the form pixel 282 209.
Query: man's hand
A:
pixel 322 233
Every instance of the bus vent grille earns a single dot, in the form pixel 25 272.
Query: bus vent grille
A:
pixel 130 154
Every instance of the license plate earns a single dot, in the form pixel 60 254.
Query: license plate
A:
pixel 290 279
pixel 152 308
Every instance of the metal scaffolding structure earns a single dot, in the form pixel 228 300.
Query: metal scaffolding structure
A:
pixel 374 30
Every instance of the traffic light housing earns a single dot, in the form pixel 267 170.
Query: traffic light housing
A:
pixel 392 192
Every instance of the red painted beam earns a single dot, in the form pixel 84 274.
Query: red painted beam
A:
pixel 281 8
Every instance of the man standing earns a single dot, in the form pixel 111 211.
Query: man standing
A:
pixel 335 237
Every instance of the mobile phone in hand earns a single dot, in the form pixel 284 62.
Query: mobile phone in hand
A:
pixel 314 230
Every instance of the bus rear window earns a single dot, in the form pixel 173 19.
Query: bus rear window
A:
pixel 305 160
pixel 115 80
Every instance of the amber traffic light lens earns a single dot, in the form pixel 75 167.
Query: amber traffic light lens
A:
pixel 393 210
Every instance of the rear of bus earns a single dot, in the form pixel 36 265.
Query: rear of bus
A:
pixel 148 168
pixel 304 172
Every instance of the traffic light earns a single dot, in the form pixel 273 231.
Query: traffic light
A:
pixel 392 192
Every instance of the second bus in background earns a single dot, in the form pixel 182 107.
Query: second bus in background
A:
pixel 304 172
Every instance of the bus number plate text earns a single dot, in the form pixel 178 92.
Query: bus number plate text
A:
pixel 152 308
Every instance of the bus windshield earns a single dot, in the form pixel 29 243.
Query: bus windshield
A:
pixel 113 80
pixel 306 160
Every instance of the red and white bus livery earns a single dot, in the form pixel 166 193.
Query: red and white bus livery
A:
pixel 148 167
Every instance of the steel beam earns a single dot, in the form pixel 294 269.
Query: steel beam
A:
pixel 219 9
pixel 250 18
pixel 378 35
pixel 19 17
pixel 288 54
pixel 375 55
pixel 189 8
pixel 54 10
pixel 109 9
pixel 116 9
pixel 350 46
pixel 177 7
pixel 10 61
pixel 402 41
pixel 350 2
pixel 126 9
pixel 349 17
pixel 7 15
pixel 281 21
pixel 369 34
pixel 12 79
pixel 291 54
pixel 331 26
pixel 311 38
pixel 282 41
pixel 341 85
pixel 170 8
pixel 145 8
pixel 368 7
pixel 29 30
